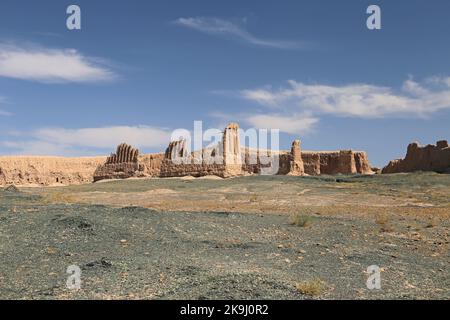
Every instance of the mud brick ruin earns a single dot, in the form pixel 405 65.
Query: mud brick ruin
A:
pixel 122 164
pixel 226 159
pixel 418 158
pixel 229 159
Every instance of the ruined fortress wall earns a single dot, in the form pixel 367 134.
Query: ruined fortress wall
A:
pixel 120 165
pixel 178 161
pixel 227 159
pixel 362 163
pixel 336 162
pixel 321 162
pixel 418 158
pixel 66 171
pixel 311 163
pixel 168 169
pixel 23 170
pixel 152 164
pixel 285 160
pixel 116 171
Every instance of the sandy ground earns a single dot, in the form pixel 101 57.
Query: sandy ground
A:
pixel 251 237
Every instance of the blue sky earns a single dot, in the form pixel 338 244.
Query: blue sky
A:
pixel 139 69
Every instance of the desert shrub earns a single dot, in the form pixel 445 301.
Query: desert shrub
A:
pixel 301 219
pixel 58 197
pixel 383 221
pixel 314 287
pixel 432 222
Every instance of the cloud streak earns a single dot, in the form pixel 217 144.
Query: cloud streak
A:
pixel 357 100
pixel 297 108
pixel 62 141
pixel 221 27
pixel 40 64
pixel 296 124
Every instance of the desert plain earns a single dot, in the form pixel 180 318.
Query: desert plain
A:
pixel 254 237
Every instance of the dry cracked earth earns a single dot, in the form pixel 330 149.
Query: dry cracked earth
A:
pixel 275 237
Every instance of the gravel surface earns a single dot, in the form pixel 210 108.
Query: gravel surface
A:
pixel 131 252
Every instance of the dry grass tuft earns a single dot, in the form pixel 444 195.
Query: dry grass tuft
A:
pixel 432 222
pixel 301 220
pixel 58 197
pixel 383 220
pixel 314 287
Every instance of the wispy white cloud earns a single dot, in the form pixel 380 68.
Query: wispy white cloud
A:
pixel 357 100
pixel 296 124
pixel 40 148
pixel 61 141
pixel 221 27
pixel 298 107
pixel 41 64
pixel 106 137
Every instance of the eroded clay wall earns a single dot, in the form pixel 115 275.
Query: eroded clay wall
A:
pixel 152 164
pixel 169 169
pixel 120 165
pixel 336 162
pixel 227 159
pixel 45 171
pixel 418 158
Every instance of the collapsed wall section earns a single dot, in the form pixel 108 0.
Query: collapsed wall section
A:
pixel 297 166
pixel 120 165
pixel 336 162
pixel 418 158
pixel 47 171
pixel 226 159
pixel 151 164
pixel 229 159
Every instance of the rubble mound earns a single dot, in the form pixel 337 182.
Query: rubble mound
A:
pixel 12 189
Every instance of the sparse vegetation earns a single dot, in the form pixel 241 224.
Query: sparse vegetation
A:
pixel 432 222
pixel 301 219
pixel 314 287
pixel 58 197
pixel 204 233
pixel 382 219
